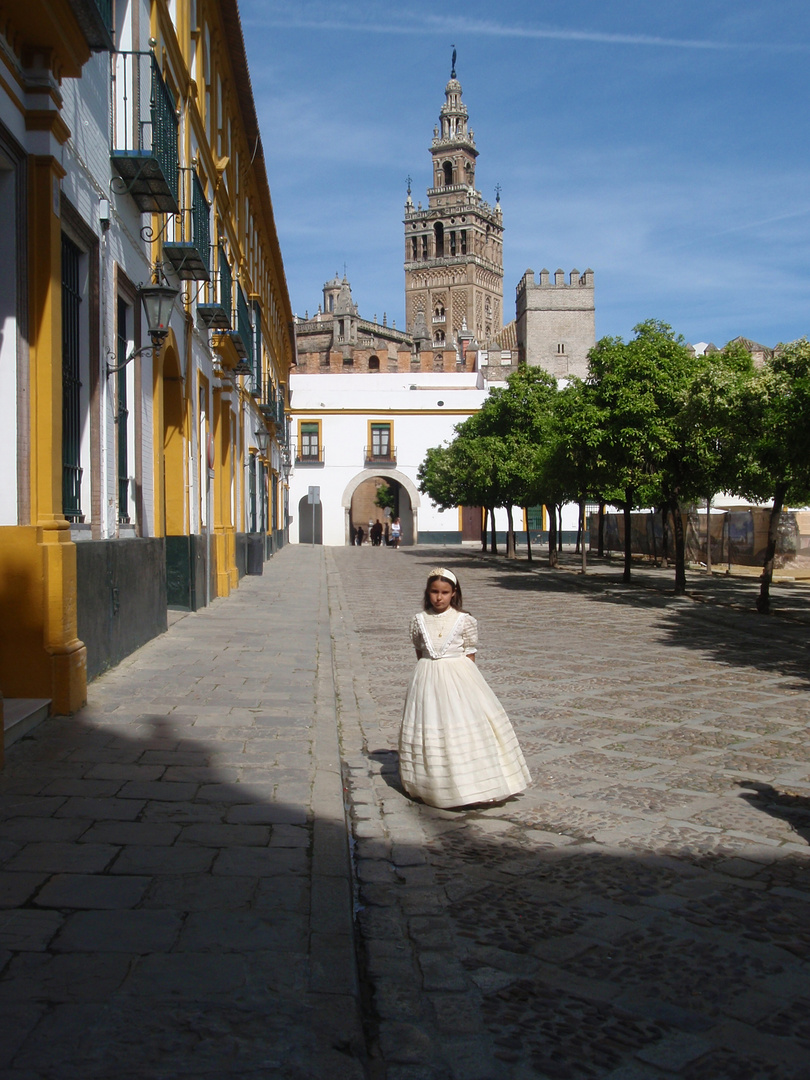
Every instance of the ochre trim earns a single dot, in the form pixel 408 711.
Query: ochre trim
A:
pixel 47 120
pixel 384 412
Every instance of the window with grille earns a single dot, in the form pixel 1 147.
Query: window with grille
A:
pixel 381 441
pixel 122 414
pixel 71 382
pixel 310 442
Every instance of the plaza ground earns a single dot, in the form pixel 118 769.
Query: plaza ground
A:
pixel 211 870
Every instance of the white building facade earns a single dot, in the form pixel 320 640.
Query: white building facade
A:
pixel 352 435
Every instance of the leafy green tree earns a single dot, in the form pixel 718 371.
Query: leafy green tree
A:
pixel 774 460
pixel 464 473
pixel 573 456
pixel 384 497
pixel 520 417
pixel 640 390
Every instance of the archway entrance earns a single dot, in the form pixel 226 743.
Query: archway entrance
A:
pixel 310 522
pixel 364 510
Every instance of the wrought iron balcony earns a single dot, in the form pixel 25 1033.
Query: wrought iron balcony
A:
pixel 313 458
pixel 258 374
pixel 384 455
pixel 273 412
pixel 217 311
pixel 95 18
pixel 242 336
pixel 144 150
pixel 188 237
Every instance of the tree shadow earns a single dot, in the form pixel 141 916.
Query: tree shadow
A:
pixel 723 633
pixel 786 805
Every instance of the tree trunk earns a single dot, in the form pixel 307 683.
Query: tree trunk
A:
pixel 493 547
pixel 764 598
pixel 628 540
pixel 552 536
pixel 510 533
pixel 484 529
pixel 528 534
pixel 601 549
pixel 665 533
pixel 680 546
pixel 709 535
pixel 580 525
pixel 559 528
pixel 652 538
pixel 582 534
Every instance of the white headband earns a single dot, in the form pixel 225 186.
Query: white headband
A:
pixel 439 571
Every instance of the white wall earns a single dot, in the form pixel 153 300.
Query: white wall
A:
pixel 423 409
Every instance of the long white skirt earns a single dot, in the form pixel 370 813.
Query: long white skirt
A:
pixel 456 744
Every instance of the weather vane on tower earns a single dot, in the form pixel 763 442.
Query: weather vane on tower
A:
pixel 453 65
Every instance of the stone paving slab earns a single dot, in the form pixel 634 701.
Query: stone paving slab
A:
pixel 175 881
pixel 642 910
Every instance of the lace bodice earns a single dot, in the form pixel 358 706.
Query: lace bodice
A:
pixel 449 634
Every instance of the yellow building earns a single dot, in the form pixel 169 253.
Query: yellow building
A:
pixel 145 465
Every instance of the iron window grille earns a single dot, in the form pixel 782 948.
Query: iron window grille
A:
pixel 71 383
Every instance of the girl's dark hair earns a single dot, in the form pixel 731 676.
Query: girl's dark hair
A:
pixel 456 601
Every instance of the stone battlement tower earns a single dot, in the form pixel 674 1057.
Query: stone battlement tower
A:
pixel 454 248
pixel 555 322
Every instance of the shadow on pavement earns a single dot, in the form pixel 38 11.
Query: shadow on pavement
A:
pixel 157 921
pixel 786 805
pixel 157 914
pixel 552 958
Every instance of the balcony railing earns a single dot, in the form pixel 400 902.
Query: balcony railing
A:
pixel 95 18
pixel 242 336
pixel 316 458
pixel 188 238
pixel 273 412
pixel 257 345
pixel 144 137
pixel 217 311
pixel 373 455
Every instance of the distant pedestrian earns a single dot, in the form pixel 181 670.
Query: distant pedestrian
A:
pixel 353 535
pixel 387 536
pixel 376 533
pixel 360 535
pixel 456 744
pixel 396 533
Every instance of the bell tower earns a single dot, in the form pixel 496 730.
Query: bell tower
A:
pixel 454 248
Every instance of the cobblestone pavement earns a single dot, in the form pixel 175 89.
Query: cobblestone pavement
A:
pixel 642 911
pixel 174 868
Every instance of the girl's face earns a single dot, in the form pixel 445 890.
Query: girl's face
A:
pixel 440 594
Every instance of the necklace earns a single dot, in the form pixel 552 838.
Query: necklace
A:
pixel 441 622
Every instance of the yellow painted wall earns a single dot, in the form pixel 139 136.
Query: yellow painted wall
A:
pixel 40 655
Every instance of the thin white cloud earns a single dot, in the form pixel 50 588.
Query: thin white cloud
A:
pixel 292 17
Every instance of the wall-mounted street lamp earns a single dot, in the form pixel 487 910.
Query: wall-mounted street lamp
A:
pixel 262 436
pixel 158 300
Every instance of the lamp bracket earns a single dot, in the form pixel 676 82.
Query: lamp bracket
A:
pixel 150 235
pixel 112 369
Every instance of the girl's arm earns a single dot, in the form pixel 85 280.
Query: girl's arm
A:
pixel 469 637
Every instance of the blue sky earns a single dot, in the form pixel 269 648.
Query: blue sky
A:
pixel 664 146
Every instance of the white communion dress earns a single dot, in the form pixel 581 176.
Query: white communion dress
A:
pixel 456 744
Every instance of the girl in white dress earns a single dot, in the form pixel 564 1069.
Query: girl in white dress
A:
pixel 456 744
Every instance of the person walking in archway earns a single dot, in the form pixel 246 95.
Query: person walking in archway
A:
pixel 396 533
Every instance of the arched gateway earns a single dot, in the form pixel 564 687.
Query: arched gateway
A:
pixel 406 506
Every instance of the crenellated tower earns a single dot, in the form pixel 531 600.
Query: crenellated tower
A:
pixel 454 248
